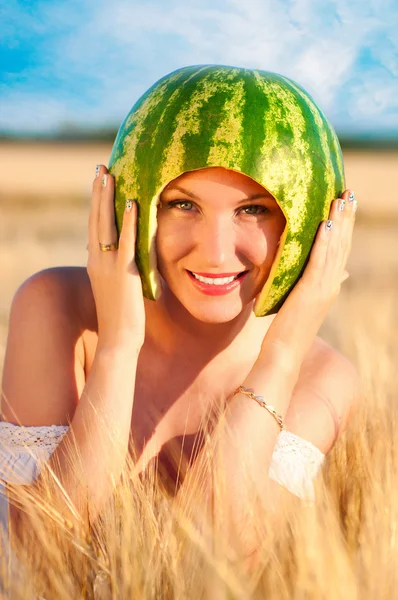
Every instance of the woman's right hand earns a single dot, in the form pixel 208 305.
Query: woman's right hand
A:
pixel 113 274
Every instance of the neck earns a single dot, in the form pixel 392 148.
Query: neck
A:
pixel 174 330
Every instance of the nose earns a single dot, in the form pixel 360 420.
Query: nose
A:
pixel 216 242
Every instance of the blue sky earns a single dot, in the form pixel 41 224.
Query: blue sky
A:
pixel 87 62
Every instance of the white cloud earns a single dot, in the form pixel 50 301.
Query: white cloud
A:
pixel 323 68
pixel 372 100
pixel 120 50
pixel 31 113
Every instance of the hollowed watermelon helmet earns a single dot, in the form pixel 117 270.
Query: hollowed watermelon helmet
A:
pixel 255 122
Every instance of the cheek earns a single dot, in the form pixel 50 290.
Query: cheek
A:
pixel 273 235
pixel 259 245
pixel 173 241
pixel 254 248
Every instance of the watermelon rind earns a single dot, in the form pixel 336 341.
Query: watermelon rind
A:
pixel 255 122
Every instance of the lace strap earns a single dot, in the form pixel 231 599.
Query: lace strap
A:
pixel 295 463
pixel 17 437
pixel 24 450
pixel 291 447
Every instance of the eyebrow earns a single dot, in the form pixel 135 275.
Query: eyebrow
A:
pixel 191 195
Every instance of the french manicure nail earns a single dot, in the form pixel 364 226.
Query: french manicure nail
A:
pixel 342 205
pixel 351 197
pixel 97 170
pixel 354 206
pixel 329 225
pixel 104 178
pixel 129 205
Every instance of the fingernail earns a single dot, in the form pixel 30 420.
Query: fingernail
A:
pixel 129 205
pixel 329 225
pixel 354 206
pixel 351 197
pixel 342 205
pixel 97 170
pixel 104 178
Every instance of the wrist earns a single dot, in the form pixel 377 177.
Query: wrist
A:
pixel 117 352
pixel 273 380
pixel 260 401
pixel 279 363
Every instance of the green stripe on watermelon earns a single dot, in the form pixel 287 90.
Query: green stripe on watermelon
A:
pixel 252 138
pixel 135 164
pixel 287 162
pixel 255 122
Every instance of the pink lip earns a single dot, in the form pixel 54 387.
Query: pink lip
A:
pixel 216 290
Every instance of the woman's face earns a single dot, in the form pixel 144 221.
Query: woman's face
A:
pixel 220 226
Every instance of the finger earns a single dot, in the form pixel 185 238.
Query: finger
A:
pixel 94 208
pixel 339 205
pixel 352 204
pixel 321 248
pixel 340 239
pixel 318 254
pixel 128 233
pixel 107 232
pixel 349 201
pixel 348 212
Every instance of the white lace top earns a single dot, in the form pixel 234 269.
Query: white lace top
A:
pixel 24 450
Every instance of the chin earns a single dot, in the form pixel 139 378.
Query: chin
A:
pixel 215 318
pixel 222 312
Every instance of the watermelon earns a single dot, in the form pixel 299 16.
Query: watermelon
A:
pixel 255 122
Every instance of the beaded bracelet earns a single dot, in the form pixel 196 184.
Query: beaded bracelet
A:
pixel 261 401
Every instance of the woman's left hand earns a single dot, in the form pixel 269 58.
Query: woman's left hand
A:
pixel 296 325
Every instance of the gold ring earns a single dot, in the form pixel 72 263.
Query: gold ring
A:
pixel 107 247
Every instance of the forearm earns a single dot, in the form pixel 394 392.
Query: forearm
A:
pixel 93 452
pixel 241 448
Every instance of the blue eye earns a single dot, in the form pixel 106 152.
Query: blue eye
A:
pixel 184 205
pixel 187 206
pixel 255 209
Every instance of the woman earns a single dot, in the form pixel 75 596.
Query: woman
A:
pixel 105 357
pixel 127 373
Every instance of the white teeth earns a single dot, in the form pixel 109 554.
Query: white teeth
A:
pixel 218 281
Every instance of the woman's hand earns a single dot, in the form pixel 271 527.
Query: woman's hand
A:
pixel 295 327
pixel 114 276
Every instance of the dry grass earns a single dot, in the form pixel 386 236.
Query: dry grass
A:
pixel 36 174
pixel 345 546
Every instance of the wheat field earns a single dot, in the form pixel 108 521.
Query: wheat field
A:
pixel 346 545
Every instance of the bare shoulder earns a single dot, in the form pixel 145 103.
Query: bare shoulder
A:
pixel 61 288
pixel 43 371
pixel 326 396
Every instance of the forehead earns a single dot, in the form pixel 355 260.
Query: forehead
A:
pixel 219 176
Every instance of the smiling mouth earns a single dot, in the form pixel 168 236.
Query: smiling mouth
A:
pixel 217 280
